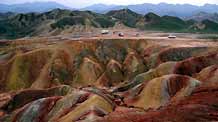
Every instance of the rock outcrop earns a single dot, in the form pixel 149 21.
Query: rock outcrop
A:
pixel 108 81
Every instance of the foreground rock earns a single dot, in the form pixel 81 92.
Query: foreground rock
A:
pixel 159 91
pixel 116 80
pixel 74 105
pixel 201 106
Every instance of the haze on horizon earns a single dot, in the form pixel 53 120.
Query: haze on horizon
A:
pixel 84 3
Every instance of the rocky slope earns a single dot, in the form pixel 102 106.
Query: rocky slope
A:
pixel 117 80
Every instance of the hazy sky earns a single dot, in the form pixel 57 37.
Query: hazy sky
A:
pixel 83 3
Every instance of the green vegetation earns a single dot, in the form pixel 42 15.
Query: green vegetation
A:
pixel 68 21
pixel 126 16
pixel 104 22
pixel 21 25
pixel 165 23
pixel 210 26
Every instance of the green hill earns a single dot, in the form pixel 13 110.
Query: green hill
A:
pixel 22 25
pixel 83 18
pixel 57 20
pixel 126 16
pixel 210 25
pixel 165 23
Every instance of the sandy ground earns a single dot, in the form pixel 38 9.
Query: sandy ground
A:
pixel 182 40
pixel 178 42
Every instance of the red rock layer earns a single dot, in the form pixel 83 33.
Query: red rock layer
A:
pixel 201 106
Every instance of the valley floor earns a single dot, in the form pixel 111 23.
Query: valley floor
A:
pixel 130 33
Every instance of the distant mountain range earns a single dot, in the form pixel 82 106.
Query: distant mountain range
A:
pixel 31 7
pixel 203 16
pixel 60 21
pixel 179 10
pixel 101 8
pixel 161 9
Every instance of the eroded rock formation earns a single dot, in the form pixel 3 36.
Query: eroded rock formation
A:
pixel 114 80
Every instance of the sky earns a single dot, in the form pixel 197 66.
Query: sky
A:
pixel 84 3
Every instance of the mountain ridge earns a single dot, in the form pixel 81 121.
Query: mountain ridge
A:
pixel 203 16
pixel 31 7
pixel 179 10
